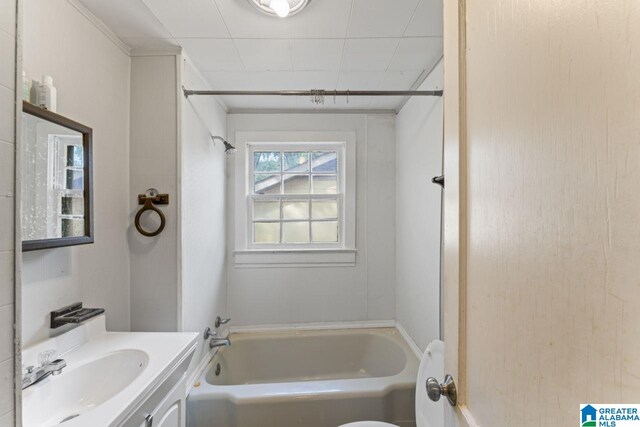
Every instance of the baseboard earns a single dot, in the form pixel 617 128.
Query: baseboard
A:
pixel 369 324
pixel 414 347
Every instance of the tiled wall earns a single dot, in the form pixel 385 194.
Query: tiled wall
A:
pixel 7 203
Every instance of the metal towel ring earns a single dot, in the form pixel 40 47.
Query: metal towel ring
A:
pixel 149 199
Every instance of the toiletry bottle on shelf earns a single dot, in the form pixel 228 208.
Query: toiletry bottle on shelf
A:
pixel 33 93
pixel 26 87
pixel 47 94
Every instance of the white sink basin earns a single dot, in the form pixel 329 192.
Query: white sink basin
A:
pixel 111 378
pixel 79 389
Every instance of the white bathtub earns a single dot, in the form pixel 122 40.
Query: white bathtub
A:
pixel 310 379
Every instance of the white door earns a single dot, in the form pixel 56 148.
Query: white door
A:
pixel 453 272
pixel 541 238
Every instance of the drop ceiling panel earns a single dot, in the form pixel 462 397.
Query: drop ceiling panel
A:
pixel 127 18
pixel 322 19
pixel 417 53
pixel 251 80
pixel 265 54
pixel 393 80
pixel 380 18
pixel 213 54
pixel 189 18
pixel 316 54
pixel 307 80
pixel 360 80
pixel 427 20
pixel 368 54
pixel 244 21
pixel 332 44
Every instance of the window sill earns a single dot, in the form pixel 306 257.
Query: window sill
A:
pixel 280 258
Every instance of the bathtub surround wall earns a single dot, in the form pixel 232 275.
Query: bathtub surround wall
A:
pixel 303 295
pixel 418 202
pixel 155 277
pixel 8 279
pixel 203 215
pixel 96 94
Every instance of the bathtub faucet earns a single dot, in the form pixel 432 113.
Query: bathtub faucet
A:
pixel 219 342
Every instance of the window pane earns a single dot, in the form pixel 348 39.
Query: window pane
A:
pixel 74 156
pixel 266 232
pixel 296 184
pixel 266 161
pixel 324 209
pixel 296 162
pixel 266 210
pixel 325 161
pixel 295 210
pixel 72 227
pixel 325 184
pixel 72 205
pixel 266 184
pixel 295 232
pixel 75 179
pixel 325 232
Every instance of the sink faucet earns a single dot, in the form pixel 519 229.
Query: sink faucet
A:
pixel 47 367
pixel 219 342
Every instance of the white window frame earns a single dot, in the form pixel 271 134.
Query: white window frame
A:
pixel 250 254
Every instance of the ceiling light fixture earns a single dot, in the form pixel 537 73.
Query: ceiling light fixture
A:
pixel 280 8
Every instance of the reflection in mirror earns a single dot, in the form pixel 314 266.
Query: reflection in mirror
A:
pixel 55 176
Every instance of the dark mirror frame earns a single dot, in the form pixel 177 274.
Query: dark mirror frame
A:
pixel 87 144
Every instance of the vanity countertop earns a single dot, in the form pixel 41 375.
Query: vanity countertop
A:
pixel 154 356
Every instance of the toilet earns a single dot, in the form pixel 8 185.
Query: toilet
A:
pixel 428 413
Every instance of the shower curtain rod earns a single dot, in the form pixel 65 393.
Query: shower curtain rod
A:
pixel 315 92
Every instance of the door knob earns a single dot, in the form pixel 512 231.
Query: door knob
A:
pixel 447 389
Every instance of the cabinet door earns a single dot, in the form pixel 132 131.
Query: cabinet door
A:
pixel 173 417
pixel 171 411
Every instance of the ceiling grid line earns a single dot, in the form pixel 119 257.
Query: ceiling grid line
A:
pixel 332 44
pixel 413 14
pixel 226 26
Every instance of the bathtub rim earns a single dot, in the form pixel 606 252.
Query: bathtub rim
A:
pixel 266 392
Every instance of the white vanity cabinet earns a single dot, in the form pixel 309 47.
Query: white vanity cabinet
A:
pixel 171 412
pixel 111 379
pixel 166 405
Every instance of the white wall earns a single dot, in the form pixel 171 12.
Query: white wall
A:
pixel 155 279
pixel 553 241
pixel 418 208
pixel 366 291
pixel 203 211
pixel 91 73
pixel 7 199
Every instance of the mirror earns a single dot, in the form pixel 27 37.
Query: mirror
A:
pixel 56 182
